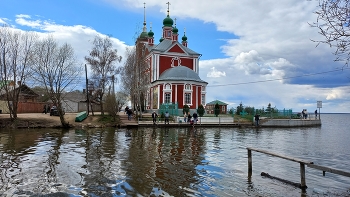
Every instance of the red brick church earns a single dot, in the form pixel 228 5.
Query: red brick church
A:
pixel 173 68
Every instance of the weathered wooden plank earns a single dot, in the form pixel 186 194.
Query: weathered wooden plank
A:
pixel 302 176
pixel 250 161
pixel 281 156
pixel 331 170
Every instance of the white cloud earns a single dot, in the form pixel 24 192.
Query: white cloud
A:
pixel 273 41
pixel 2 21
pixel 335 94
pixel 23 16
pixel 215 73
pixel 79 36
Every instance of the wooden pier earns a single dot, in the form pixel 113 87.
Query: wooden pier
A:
pixel 300 161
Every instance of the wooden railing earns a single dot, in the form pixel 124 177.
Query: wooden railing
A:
pixel 300 161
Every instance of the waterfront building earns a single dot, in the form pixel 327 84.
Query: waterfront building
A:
pixel 210 107
pixel 172 68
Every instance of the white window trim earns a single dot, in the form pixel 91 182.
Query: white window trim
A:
pixel 167 90
pixel 175 59
pixel 189 104
pixel 164 100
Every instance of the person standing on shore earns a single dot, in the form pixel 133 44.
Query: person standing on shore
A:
pixel 189 117
pixel 166 117
pixel 154 117
pixel 257 118
pixel 129 112
pixel 44 109
pixel 185 117
pixel 195 117
pixel 316 114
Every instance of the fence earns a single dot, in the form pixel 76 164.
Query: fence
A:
pixel 23 107
pixel 171 108
pixel 302 163
pixel 277 113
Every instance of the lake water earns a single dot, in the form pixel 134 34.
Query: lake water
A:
pixel 173 161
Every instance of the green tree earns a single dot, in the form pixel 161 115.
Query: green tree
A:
pixel 185 109
pixel 200 110
pixel 239 109
pixel 112 105
pixel 216 109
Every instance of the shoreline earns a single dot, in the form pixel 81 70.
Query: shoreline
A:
pixel 40 120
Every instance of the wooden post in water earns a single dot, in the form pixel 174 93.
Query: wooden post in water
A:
pixel 250 161
pixel 302 176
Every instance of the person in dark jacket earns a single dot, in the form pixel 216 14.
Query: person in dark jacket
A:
pixel 154 117
pixel 195 117
pixel 257 118
pixel 44 109
pixel 129 112
pixel 189 118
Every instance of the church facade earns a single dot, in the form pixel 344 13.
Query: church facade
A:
pixel 173 68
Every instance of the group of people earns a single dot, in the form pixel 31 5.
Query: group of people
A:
pixel 304 114
pixel 188 117
pixel 166 117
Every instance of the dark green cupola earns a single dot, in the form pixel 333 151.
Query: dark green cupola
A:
pixel 168 22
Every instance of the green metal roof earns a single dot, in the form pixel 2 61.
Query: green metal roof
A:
pixel 218 102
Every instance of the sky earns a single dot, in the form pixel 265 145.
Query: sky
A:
pixel 253 52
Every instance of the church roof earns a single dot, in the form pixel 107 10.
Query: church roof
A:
pixel 167 44
pixel 180 73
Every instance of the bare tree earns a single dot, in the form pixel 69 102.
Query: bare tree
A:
pixel 16 54
pixel 333 22
pixel 128 75
pixel 135 77
pixel 102 59
pixel 55 69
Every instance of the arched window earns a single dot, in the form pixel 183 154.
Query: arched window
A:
pixel 176 61
pixel 167 86
pixel 188 98
pixel 167 98
pixel 188 87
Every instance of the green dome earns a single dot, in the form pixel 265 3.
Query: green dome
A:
pixel 143 35
pixel 161 39
pixel 150 33
pixel 175 30
pixel 168 22
pixel 184 38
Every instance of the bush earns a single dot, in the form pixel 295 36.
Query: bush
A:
pixel 185 109
pixel 200 110
pixel 217 109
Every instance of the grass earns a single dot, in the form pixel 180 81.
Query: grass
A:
pixel 105 119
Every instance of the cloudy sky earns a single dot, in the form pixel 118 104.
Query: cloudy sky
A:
pixel 255 52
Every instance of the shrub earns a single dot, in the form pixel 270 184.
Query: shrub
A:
pixel 185 109
pixel 217 109
pixel 200 110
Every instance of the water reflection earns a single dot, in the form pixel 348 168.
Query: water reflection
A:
pixel 162 162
